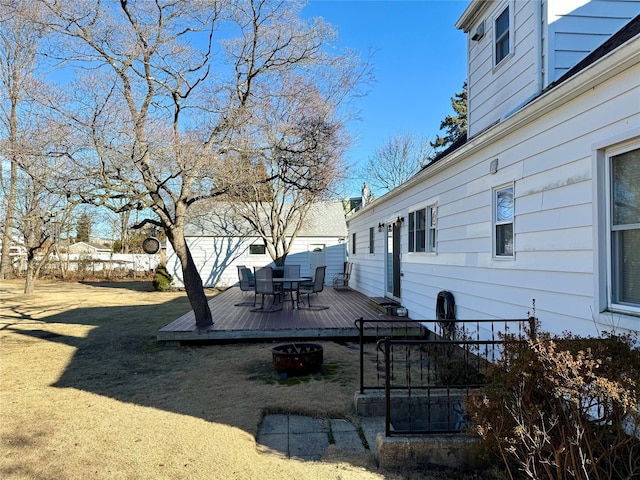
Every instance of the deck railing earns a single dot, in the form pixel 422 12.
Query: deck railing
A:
pixel 427 380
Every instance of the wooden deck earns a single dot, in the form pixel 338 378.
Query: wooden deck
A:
pixel 234 319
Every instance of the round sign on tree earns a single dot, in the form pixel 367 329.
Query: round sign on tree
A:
pixel 151 245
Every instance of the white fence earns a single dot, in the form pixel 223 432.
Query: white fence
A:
pixel 101 263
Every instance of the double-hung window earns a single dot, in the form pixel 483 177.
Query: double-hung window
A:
pixel 624 228
pixel 417 224
pixel 503 205
pixel 422 230
pixel 502 40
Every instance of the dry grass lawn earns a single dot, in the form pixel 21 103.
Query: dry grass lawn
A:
pixel 87 392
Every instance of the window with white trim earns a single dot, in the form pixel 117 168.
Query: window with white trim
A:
pixel 422 230
pixel 257 249
pixel 502 29
pixel 503 210
pixel 624 227
pixel 431 228
pixel 417 230
pixel 353 243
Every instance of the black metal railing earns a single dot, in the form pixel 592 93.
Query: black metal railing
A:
pixel 428 380
pixel 371 362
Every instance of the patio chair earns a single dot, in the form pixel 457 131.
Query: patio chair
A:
pixel 341 279
pixel 265 287
pixel 316 286
pixel 247 284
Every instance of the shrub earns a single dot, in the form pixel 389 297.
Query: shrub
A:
pixel 162 279
pixel 563 408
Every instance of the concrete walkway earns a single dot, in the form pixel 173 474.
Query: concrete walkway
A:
pixel 308 438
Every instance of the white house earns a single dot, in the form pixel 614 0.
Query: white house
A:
pixel 88 248
pixel 219 241
pixel 542 200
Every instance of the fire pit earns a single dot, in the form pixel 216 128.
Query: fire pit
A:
pixel 297 358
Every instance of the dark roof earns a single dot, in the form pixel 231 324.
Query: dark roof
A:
pixel 626 33
pixel 454 146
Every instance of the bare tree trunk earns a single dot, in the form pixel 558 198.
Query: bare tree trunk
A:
pixel 7 235
pixel 31 274
pixel 6 270
pixel 62 268
pixel 192 281
pixel 30 280
pixel 124 230
pixel 35 264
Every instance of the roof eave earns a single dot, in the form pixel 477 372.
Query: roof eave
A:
pixel 618 60
pixel 472 14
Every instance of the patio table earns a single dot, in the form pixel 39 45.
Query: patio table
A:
pixel 295 285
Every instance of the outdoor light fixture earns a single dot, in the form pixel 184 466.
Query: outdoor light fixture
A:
pixel 399 221
pixel 380 226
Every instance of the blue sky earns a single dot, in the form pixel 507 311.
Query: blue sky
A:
pixel 419 64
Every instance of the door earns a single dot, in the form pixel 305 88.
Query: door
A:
pixel 393 260
pixel 317 258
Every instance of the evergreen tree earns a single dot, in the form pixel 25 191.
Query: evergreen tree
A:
pixel 454 125
pixel 83 228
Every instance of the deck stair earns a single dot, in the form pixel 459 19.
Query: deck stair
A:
pixel 385 305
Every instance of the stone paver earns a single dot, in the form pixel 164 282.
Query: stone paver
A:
pixel 346 436
pixel 307 438
pixel 371 427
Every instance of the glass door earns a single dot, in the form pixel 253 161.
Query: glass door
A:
pixel 392 273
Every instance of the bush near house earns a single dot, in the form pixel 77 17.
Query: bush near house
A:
pixel 162 279
pixel 564 408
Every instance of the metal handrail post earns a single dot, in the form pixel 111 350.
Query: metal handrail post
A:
pixel 387 387
pixel 360 324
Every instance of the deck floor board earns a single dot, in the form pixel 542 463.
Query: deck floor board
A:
pixel 241 322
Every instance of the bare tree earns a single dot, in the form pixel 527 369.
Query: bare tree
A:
pixel 167 107
pixel 20 37
pixel 296 160
pixel 396 161
pixel 41 216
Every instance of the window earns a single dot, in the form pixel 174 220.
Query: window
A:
pixel 431 222
pixel 503 221
pixel 417 230
pixel 257 249
pixel 502 36
pixel 353 243
pixel 371 240
pixel 624 228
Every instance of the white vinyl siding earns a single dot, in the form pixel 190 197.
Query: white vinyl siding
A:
pixel 548 38
pixel 217 257
pixel 496 90
pixel 576 27
pixel 547 157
